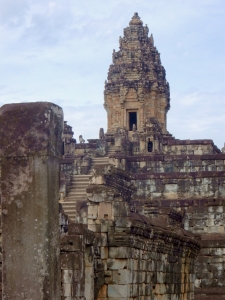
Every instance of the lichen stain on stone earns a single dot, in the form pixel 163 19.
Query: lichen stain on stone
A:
pixel 32 136
pixel 18 180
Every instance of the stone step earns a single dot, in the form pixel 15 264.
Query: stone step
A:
pixel 74 199
pixel 105 162
pixel 79 185
pixel 77 192
pixel 72 202
pixel 71 216
pixel 100 164
pixel 86 178
pixel 99 158
pixel 67 207
pixel 80 178
pixel 76 187
pixel 80 182
pixel 100 161
pixel 70 212
pixel 77 195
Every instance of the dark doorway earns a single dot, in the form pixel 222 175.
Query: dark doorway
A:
pixel 132 120
pixel 150 146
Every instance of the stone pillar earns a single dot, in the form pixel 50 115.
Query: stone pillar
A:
pixel 30 151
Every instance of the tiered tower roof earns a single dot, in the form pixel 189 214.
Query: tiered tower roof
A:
pixel 137 64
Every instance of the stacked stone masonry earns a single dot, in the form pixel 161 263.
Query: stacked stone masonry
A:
pixel 143 258
pixel 169 177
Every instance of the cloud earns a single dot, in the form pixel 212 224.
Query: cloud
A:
pixel 13 13
pixel 50 26
pixel 198 116
pixel 191 99
pixel 86 120
pixel 60 51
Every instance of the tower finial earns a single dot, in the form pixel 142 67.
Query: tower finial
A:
pixel 136 20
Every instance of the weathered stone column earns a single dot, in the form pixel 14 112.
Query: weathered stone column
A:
pixel 30 150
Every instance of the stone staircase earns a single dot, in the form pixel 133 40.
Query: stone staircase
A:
pixel 78 188
pixel 99 161
pixel 77 193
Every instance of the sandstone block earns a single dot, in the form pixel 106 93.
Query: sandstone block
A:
pixel 89 283
pixel 71 261
pixel 119 291
pixel 116 264
pixel 104 252
pixel 67 276
pixel 122 277
pixel 120 252
pixel 74 243
pixel 92 211
pixel 67 289
pixel 105 211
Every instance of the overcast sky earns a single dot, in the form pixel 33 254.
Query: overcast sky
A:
pixel 60 51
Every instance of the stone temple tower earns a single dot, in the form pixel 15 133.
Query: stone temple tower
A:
pixel 136 90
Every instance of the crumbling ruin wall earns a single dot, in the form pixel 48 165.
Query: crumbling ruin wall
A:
pixel 189 147
pixel 142 257
pixel 30 154
pixel 194 185
pixel 77 263
pixel 162 163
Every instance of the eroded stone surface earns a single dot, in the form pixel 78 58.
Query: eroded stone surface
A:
pixel 144 257
pixel 30 155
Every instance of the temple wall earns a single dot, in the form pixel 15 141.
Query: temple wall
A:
pixel 172 163
pixel 206 218
pixel 190 147
pixel 142 260
pixel 77 263
pixel 180 179
pixel 194 185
